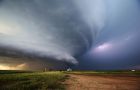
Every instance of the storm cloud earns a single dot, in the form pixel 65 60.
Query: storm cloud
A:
pixel 89 34
pixel 61 30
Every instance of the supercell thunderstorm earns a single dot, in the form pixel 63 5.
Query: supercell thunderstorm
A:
pixel 82 34
pixel 58 30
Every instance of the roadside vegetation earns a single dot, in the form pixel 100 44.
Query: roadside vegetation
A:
pixel 128 73
pixel 32 80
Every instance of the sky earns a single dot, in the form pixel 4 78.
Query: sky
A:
pixel 81 34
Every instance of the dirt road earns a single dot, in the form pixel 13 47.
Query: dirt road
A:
pixel 84 82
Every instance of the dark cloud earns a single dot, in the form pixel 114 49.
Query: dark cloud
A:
pixel 62 33
pixel 44 29
pixel 121 32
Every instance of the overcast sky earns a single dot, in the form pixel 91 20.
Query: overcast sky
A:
pixel 89 34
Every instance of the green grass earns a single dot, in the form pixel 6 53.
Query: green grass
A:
pixel 32 81
pixel 13 71
pixel 136 73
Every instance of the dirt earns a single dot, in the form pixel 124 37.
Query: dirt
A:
pixel 85 82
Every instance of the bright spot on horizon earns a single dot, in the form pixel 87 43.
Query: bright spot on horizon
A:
pixel 17 67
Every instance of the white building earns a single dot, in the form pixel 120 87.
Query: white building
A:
pixel 69 69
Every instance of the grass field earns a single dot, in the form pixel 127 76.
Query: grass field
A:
pixel 53 80
pixel 18 80
pixel 133 73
